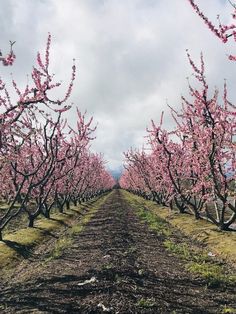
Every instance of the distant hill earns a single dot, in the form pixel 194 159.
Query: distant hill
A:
pixel 116 173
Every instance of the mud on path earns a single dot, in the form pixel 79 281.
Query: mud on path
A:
pixel 116 265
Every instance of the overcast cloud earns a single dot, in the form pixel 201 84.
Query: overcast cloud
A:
pixel 130 57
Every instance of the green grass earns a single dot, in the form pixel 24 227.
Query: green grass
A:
pixel 76 229
pixel 20 243
pixel 214 274
pixel 187 252
pixel 228 310
pixel 146 303
pixel 222 243
pixel 196 259
pixel 68 239
pixel 60 246
pixel 179 249
pixel 155 223
pixel 108 266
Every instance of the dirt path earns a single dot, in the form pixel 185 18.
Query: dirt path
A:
pixel 115 265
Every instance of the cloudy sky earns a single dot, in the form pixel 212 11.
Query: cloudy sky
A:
pixel 130 57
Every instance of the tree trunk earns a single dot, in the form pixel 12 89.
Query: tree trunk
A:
pixel 31 221
pixel 223 227
pixel 180 205
pixel 67 205
pixel 47 214
pixel 196 214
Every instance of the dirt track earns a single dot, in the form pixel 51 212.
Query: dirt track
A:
pixel 115 265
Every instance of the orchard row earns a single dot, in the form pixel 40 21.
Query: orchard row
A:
pixel 192 167
pixel 44 161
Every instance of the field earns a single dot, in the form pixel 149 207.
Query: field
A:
pixel 117 256
pixel 144 219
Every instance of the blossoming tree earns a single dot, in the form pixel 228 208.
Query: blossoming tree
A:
pixel 41 155
pixel 195 171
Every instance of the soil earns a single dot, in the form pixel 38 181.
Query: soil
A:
pixel 115 265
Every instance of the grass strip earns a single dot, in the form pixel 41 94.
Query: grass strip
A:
pixel 197 260
pixel 20 244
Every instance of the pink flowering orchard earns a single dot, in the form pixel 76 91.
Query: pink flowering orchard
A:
pixel 45 162
pixel 192 167
pixel 195 172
